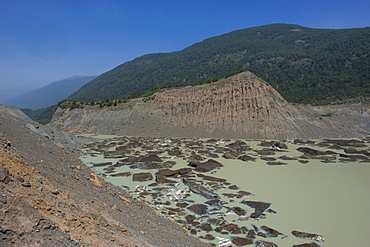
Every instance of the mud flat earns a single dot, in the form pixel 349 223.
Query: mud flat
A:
pixel 242 191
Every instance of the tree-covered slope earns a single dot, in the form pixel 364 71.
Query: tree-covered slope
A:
pixel 303 64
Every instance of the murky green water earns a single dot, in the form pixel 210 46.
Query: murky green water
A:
pixel 330 199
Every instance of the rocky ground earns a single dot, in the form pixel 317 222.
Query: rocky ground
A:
pixel 49 198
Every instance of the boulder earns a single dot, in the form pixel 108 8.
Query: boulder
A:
pixel 206 227
pixel 122 174
pixel 4 175
pixel 205 166
pixel 242 241
pixel 273 144
pixel 238 210
pixel 311 236
pixel 209 237
pixel 246 158
pixel 199 189
pixel 102 164
pixel 190 218
pixel 259 207
pixel 230 155
pixel 231 228
pixel 270 232
pixel 262 243
pixel 210 178
pixel 198 208
pixel 152 165
pixel 311 151
pixel 313 244
pixel 143 176
pixel 276 163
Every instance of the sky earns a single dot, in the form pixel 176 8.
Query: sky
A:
pixel 43 41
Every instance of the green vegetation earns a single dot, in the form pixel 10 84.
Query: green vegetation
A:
pixel 305 65
pixel 42 115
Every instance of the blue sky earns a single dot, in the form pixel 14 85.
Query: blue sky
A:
pixel 42 41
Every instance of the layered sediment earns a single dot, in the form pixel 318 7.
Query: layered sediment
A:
pixel 242 106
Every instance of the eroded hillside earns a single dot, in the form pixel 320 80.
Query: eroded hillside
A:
pixel 242 106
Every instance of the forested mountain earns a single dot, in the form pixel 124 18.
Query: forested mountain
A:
pixel 305 65
pixel 50 94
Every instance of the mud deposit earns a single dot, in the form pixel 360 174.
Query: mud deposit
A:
pixel 244 192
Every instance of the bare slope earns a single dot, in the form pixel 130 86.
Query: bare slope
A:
pixel 242 106
pixel 49 198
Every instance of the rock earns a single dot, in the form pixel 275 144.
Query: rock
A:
pixel 95 180
pixel 311 151
pixel 241 241
pixel 213 202
pixel 265 152
pixel 4 175
pixel 262 243
pixel 151 157
pixel 273 144
pixel 239 146
pixel 26 184
pixel 231 227
pixel 143 176
pixel 284 157
pixel 162 174
pixel 199 189
pixel 251 234
pixel 196 157
pixel 122 174
pixel 313 244
pixel 232 195
pixel 243 192
pixel 206 227
pixel 216 222
pixel 233 187
pixel 259 207
pixel 268 158
pixel 102 164
pixel 152 165
pixel 190 218
pixel 209 237
pixel 276 163
pixel 311 236
pixel 351 143
pixel 198 208
pixel 230 155
pixel 205 166
pixel 246 158
pixel 238 210
pixel 271 232
pixel 182 204
pixel 210 178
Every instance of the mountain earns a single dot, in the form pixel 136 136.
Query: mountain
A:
pixel 50 94
pixel 305 65
pixel 241 106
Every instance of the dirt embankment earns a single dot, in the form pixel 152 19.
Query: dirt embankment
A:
pixel 242 106
pixel 48 198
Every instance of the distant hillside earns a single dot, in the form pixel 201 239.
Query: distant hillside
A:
pixel 305 65
pixel 50 94
pixel 241 106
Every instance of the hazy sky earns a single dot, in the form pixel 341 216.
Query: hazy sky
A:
pixel 42 41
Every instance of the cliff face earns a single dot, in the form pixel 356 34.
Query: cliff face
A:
pixel 242 106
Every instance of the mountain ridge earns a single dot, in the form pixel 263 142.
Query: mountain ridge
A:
pixel 49 94
pixel 304 64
